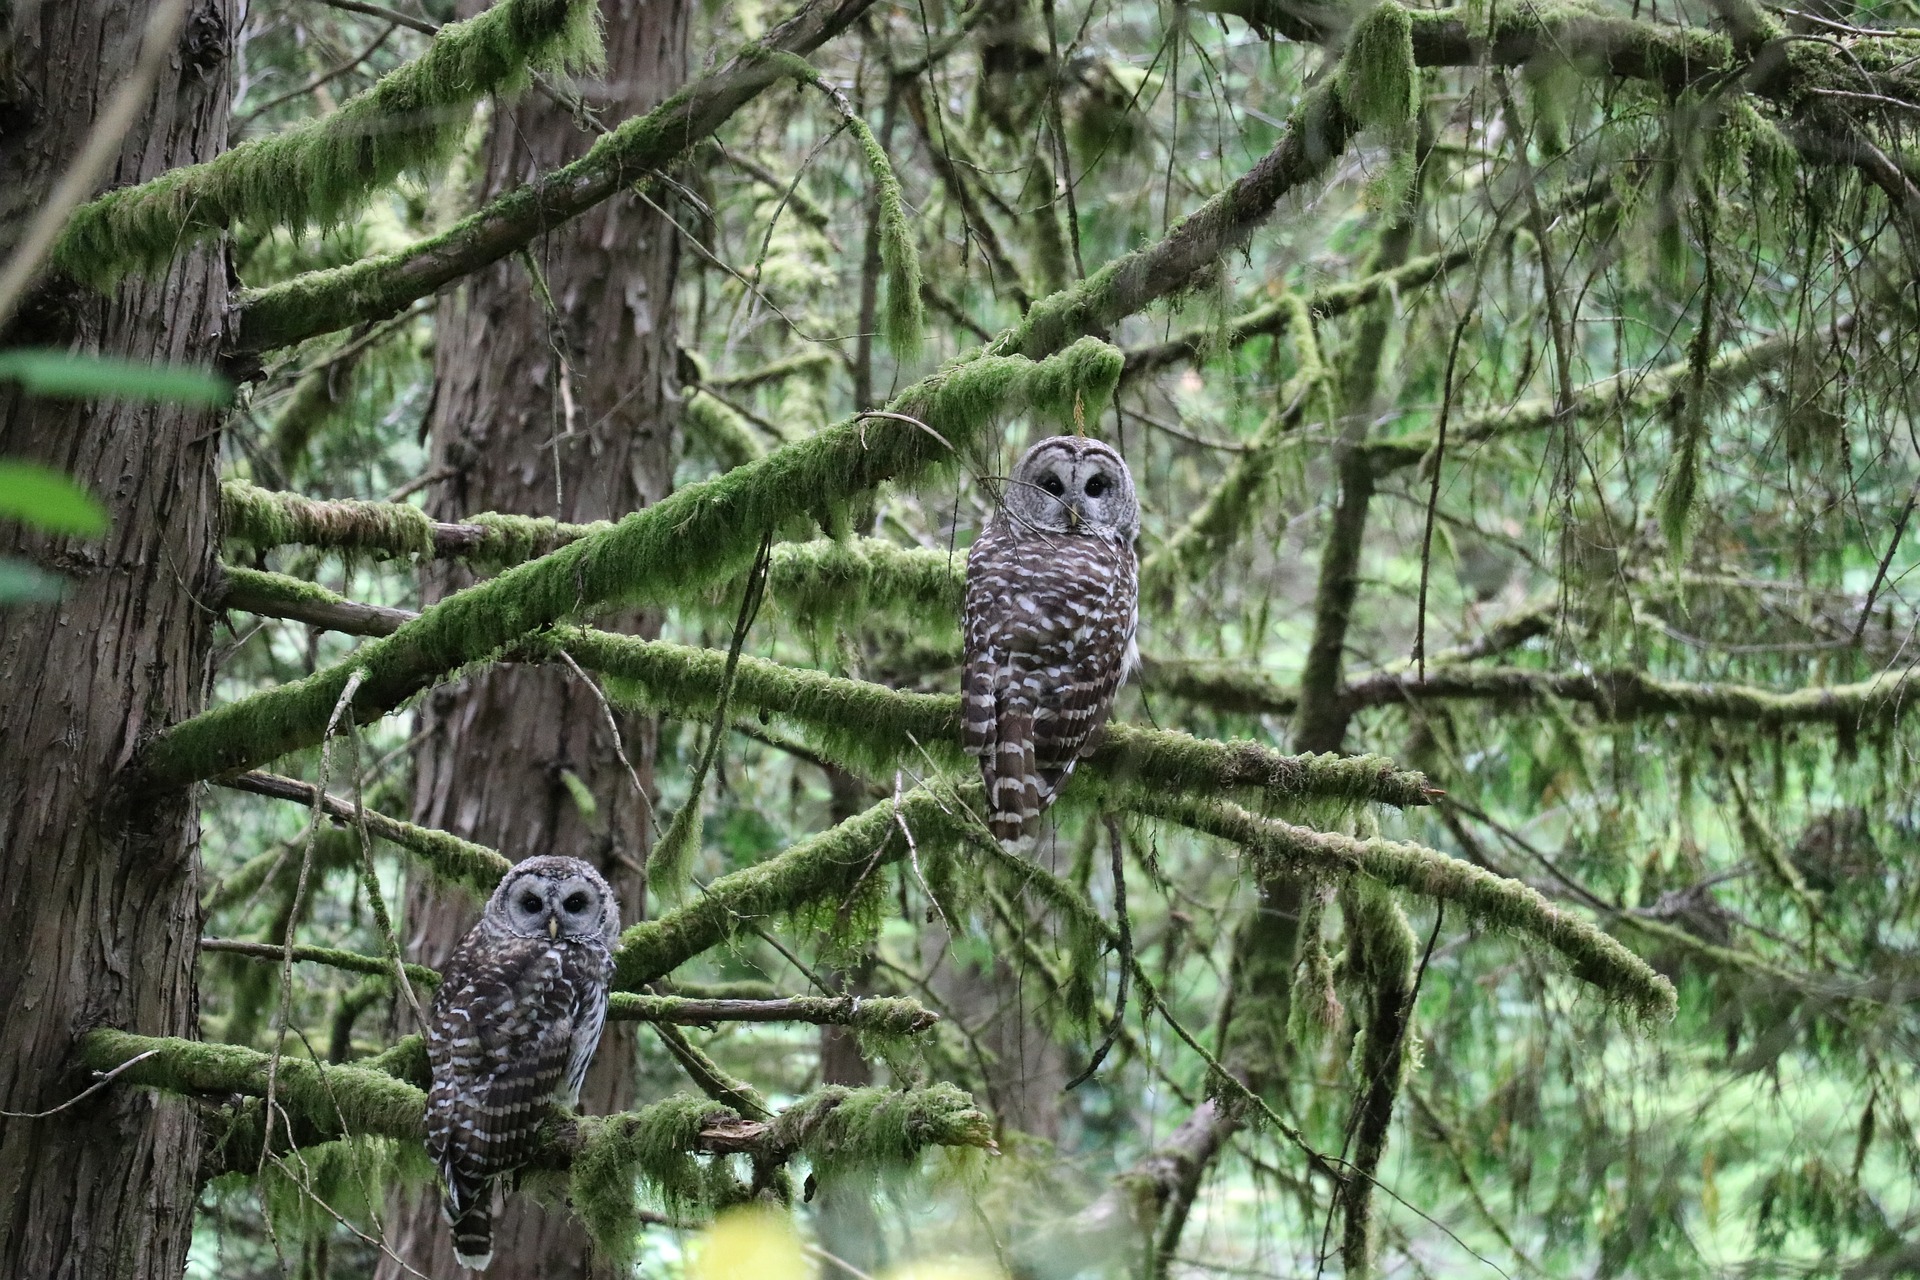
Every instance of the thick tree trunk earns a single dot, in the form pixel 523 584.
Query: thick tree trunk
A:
pixel 510 755
pixel 98 910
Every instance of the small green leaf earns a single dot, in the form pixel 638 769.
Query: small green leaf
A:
pixel 23 583
pixel 46 499
pixel 78 377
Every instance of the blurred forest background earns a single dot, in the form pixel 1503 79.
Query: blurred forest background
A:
pixel 1517 395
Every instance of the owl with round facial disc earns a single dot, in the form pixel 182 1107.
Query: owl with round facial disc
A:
pixel 1050 614
pixel 513 1026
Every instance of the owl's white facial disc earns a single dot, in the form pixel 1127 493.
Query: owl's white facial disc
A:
pixel 559 897
pixel 1069 484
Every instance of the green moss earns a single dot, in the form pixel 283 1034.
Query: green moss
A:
pixel 1279 848
pixel 701 534
pixel 717 433
pixel 844 1129
pixel 265 518
pixel 513 540
pixel 331 1100
pixel 1379 84
pixel 654 1145
pixel 822 868
pixel 322 171
pixel 903 317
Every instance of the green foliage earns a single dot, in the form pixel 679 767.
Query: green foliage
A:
pixel 320 172
pixel 72 376
pixel 45 499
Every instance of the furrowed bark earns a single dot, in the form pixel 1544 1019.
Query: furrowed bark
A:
pixel 98 910
pixel 554 401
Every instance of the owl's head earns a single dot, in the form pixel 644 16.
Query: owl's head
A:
pixel 558 897
pixel 1070 484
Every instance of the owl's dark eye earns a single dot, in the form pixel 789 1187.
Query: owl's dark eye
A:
pixel 576 903
pixel 530 902
pixel 1096 485
pixel 1053 486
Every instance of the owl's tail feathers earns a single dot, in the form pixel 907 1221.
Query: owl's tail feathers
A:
pixel 469 1210
pixel 1014 801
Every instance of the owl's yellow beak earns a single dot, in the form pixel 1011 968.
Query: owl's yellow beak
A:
pixel 1073 516
pixel 553 927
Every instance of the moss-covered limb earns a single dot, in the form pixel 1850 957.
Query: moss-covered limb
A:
pixel 823 869
pixel 879 729
pixel 715 431
pixel 703 533
pixel 1243 690
pixel 805 364
pixel 1273 319
pixel 880 1015
pixel 319 1103
pixel 324 170
pixel 450 859
pixel 276 595
pixel 377 287
pixel 1318 130
pixel 1178 762
pixel 268 518
pixel 1275 847
pixel 1670 56
pixel 333 958
pixel 1625 694
pixel 1380 956
pixel 1635 391
pixel 834 1127
pixel 322 1102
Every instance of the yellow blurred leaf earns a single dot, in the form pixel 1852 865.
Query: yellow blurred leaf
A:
pixel 749 1244
pixel 947 1269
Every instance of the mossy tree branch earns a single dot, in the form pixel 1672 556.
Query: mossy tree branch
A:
pixel 703 533
pixel 879 1015
pixel 326 169
pixel 377 287
pixel 1275 847
pixel 320 1103
pixel 451 859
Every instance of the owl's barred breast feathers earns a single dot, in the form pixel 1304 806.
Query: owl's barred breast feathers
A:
pixel 1051 609
pixel 520 1009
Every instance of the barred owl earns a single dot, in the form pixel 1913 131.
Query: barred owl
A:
pixel 1050 615
pixel 516 1019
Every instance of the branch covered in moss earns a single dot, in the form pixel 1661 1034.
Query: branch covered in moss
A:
pixel 877 1015
pixel 277 595
pixel 324 170
pixel 268 518
pixel 828 868
pixel 879 729
pixel 702 533
pixel 1625 694
pixel 374 288
pixel 831 1126
pixel 451 859
pixel 1275 847
pixel 1318 130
